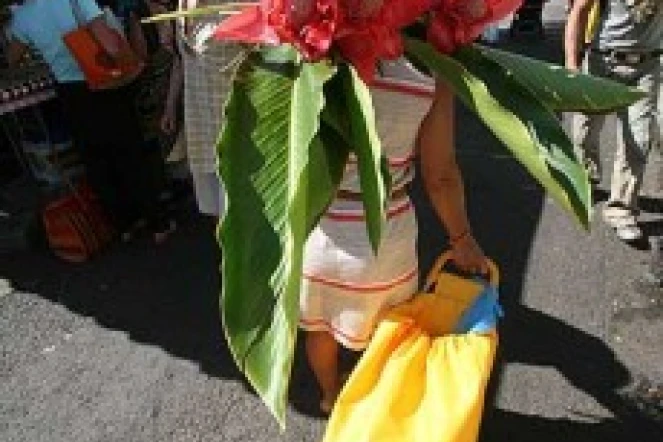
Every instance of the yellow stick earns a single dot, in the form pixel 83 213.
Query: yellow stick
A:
pixel 228 9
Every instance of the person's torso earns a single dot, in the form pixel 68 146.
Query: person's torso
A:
pixel 631 25
pixel 45 22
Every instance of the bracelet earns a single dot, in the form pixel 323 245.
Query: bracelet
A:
pixel 454 240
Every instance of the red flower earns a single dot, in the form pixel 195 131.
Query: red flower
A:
pixel 307 25
pixel 459 22
pixel 249 26
pixel 364 38
pixel 364 31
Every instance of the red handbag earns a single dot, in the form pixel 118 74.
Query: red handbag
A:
pixel 91 48
pixel 75 225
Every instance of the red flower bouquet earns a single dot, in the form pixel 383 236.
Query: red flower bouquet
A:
pixel 362 31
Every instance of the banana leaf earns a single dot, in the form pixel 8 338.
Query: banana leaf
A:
pixel 525 125
pixel 368 149
pixel 557 87
pixel 279 178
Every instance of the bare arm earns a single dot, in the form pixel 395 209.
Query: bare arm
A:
pixel 443 180
pixel 574 32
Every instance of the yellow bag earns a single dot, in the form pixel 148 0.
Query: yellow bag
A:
pixel 424 374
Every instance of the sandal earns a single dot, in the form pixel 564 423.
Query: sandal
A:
pixel 628 231
pixel 625 227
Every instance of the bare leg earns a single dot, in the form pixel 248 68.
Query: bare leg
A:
pixel 322 353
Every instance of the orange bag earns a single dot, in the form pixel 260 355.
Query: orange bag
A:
pixel 76 226
pixel 90 50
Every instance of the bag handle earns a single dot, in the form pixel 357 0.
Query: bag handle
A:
pixel 431 279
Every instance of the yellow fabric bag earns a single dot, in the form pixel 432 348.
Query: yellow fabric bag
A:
pixel 420 379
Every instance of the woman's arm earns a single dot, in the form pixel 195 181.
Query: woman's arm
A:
pixel 574 33
pixel 444 183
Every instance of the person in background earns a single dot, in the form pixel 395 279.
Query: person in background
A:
pixel 155 44
pixel 627 47
pixel 590 149
pixel 202 77
pixel 105 127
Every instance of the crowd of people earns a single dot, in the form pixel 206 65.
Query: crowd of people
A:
pixel 127 135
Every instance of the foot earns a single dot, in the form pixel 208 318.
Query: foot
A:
pixel 628 233
pixel 327 402
pixel 626 228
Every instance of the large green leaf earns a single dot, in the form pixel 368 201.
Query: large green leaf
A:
pixel 279 178
pixel 526 126
pixel 558 88
pixel 368 149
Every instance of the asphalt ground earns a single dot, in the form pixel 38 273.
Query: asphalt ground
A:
pixel 128 347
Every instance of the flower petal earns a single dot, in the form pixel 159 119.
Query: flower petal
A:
pixel 249 26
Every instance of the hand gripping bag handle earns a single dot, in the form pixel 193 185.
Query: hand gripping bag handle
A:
pixel 443 259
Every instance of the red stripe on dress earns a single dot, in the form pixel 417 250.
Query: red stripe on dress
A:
pixel 406 277
pixel 405 88
pixel 393 162
pixel 330 328
pixel 358 215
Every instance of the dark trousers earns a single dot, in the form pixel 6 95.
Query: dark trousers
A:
pixel 120 167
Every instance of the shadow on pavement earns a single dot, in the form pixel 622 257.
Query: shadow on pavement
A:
pixel 166 296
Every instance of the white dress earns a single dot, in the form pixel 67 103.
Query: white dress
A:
pixel 345 285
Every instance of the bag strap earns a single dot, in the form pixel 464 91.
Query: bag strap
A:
pixel 445 257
